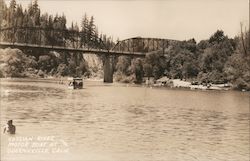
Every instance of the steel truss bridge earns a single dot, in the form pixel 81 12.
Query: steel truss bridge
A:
pixel 51 39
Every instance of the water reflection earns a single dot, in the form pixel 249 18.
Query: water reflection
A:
pixel 112 122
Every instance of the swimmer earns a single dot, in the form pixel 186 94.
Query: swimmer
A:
pixel 9 128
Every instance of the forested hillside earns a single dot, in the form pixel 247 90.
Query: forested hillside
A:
pixel 15 63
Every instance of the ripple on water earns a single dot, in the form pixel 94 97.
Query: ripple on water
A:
pixel 145 124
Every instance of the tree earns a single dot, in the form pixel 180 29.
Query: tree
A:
pixel 237 67
pixel 190 70
pixel 12 12
pixel 82 69
pixel 96 38
pixel 147 69
pixel 217 37
pixel 15 61
pixel 1 11
pixel 35 6
pixel 84 25
pixel 72 67
pixel 137 70
pixel 123 65
pixel 91 30
pixel 62 70
pixel 154 64
pixel 44 63
pixel 13 6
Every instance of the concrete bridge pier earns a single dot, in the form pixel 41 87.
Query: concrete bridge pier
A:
pixel 108 69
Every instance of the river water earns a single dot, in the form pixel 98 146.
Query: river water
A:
pixel 117 122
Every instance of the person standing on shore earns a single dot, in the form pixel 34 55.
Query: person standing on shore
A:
pixel 9 128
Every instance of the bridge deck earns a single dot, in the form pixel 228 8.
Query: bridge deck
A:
pixel 69 49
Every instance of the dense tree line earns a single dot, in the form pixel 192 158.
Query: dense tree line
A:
pixel 216 60
pixel 86 35
pixel 29 21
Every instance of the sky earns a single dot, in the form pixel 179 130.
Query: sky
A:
pixel 170 19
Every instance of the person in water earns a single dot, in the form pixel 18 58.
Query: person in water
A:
pixel 9 128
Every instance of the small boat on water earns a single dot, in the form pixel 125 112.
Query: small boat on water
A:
pixel 75 83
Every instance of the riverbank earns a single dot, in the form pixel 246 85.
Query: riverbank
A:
pixel 177 83
pixel 188 85
pixel 173 83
